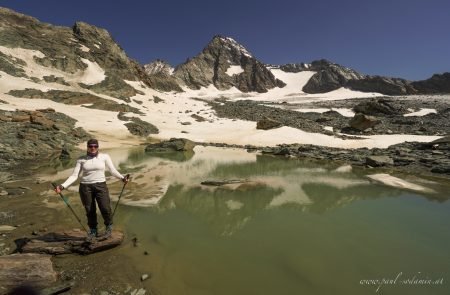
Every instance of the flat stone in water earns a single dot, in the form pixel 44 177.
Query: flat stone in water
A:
pixel 4 228
pixel 67 242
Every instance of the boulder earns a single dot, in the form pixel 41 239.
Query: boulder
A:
pixel 30 269
pixel 172 145
pixel 378 161
pixel 441 168
pixel 267 123
pixel 442 143
pixel 377 107
pixel 362 122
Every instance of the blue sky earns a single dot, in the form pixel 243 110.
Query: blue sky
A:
pixel 399 38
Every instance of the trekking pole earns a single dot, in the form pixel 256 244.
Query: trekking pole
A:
pixel 120 196
pixel 70 207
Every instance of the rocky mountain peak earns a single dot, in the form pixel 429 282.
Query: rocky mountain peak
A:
pixel 225 63
pixel 228 43
pixel 158 66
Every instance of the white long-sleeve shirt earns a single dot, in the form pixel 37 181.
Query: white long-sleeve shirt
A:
pixel 92 169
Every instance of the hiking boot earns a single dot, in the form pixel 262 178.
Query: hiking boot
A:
pixel 92 234
pixel 108 231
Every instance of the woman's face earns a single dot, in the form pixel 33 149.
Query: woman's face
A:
pixel 92 148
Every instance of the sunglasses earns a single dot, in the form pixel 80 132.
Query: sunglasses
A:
pixel 92 146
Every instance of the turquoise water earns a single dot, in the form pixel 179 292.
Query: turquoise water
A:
pixel 292 227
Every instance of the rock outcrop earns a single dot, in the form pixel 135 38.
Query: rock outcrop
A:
pixel 329 77
pixel 224 63
pixel 384 85
pixel 37 137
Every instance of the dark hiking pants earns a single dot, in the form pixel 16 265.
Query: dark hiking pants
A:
pixel 91 193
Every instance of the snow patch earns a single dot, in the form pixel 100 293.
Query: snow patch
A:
pixel 343 111
pixel 295 81
pixel 234 70
pixel 92 75
pixel 84 48
pixel 421 112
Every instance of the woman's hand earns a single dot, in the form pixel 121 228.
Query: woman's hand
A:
pixel 59 189
pixel 126 179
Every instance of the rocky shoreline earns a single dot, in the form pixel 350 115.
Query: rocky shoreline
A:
pixel 430 158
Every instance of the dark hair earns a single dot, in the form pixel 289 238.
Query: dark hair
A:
pixel 92 141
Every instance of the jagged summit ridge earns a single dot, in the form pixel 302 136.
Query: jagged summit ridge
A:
pixel 233 45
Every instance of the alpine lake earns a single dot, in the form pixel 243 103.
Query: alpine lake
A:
pixel 280 226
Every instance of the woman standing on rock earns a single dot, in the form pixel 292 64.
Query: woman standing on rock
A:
pixel 93 186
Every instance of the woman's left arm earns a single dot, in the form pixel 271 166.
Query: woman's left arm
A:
pixel 111 167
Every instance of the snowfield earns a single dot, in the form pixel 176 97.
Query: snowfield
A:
pixel 173 116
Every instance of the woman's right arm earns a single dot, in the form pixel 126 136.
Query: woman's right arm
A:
pixel 73 177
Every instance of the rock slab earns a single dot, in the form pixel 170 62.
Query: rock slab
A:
pixel 66 242
pixel 32 269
